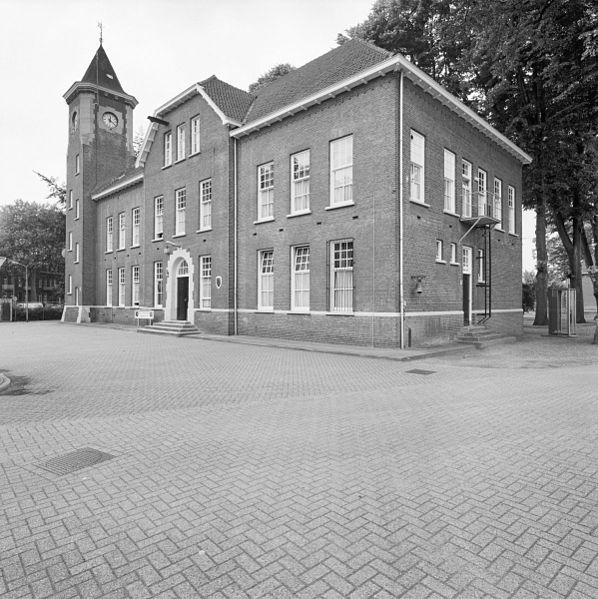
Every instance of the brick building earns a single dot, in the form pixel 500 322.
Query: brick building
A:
pixel 353 200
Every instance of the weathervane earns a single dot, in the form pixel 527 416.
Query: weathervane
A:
pixel 101 28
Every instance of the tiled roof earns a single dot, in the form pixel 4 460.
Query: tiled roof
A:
pixel 120 181
pixel 100 72
pixel 340 63
pixel 232 101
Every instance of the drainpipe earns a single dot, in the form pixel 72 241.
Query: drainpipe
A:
pixel 235 240
pixel 401 228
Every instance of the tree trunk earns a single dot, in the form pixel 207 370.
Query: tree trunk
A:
pixel 541 287
pixel 32 285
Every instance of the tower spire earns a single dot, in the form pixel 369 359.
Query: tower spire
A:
pixel 101 28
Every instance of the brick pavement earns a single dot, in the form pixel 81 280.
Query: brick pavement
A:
pixel 247 471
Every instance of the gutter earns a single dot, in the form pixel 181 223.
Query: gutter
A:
pixel 401 209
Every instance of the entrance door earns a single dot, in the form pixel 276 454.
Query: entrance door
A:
pixel 466 259
pixel 182 297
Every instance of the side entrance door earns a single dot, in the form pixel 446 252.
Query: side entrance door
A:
pixel 182 297
pixel 466 259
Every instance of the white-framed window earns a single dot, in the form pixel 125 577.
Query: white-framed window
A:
pixel 300 182
pixel 449 181
pixel 70 241
pixel 69 287
pixel 300 284
pixel 109 287
pixel 158 284
pixel 265 191
pixel 121 230
pixel 481 267
pixel 205 282
pixel 466 188
pixel 195 134
pixel 159 217
pixel 77 207
pixel 168 148
pixel 482 192
pixel 341 276
pixel 466 255
pixel 265 291
pixel 136 226
pixel 121 286
pixel 205 205
pixel 511 204
pixel 497 203
pixel 453 247
pixel 77 296
pixel 76 252
pixel 70 198
pixel 109 234
pixel 181 208
pixel 341 171
pixel 418 153
pixel 77 164
pixel 439 251
pixel 180 141
pixel 135 285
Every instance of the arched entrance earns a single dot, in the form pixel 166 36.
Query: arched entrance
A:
pixel 179 286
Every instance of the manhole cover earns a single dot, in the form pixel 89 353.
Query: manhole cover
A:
pixel 75 460
pixel 421 371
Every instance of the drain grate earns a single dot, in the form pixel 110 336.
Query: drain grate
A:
pixel 75 460
pixel 421 371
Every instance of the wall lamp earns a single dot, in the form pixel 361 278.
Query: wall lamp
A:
pixel 168 250
pixel 418 285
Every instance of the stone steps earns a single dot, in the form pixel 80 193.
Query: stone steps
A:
pixel 481 336
pixel 175 328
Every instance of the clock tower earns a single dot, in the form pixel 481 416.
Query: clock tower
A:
pixel 100 148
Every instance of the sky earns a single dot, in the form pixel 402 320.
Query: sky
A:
pixel 157 48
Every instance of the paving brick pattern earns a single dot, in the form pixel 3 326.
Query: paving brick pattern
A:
pixel 247 472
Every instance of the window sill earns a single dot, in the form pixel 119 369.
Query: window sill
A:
pixel 177 235
pixel 204 230
pixel 75 261
pixel 497 228
pixel 298 213
pixel 76 218
pixel 440 261
pixel 106 252
pixel 264 311
pixel 513 234
pixel 420 203
pixel 166 166
pixel 135 246
pixel 180 160
pixel 194 153
pixel 340 313
pixel 158 239
pixel 203 309
pixel 120 249
pixel 270 219
pixel 451 213
pixel 454 264
pixel 343 205
pixel 299 312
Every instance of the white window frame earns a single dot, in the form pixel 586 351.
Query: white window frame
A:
pixel 122 279
pixel 70 241
pixel 265 287
pixel 77 296
pixel 511 204
pixel 109 234
pixel 300 278
pixel 195 135
pixel 159 217
pixel 181 131
pixel 77 209
pixel 168 148
pixel 135 284
pixel 205 282
pixel 417 170
pixel 481 269
pixel 466 258
pixel 135 226
pixel 180 197
pixel 341 172
pixel 158 284
pixel 453 247
pixel 341 294
pixel 440 251
pixel 466 195
pixel 482 184
pixel 205 205
pixel 300 185
pixel 69 288
pixel 77 164
pixel 70 199
pixel 76 260
pixel 265 191
pixel 497 202
pixel 449 181
pixel 109 287
pixel 122 230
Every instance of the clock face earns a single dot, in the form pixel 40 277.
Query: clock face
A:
pixel 110 120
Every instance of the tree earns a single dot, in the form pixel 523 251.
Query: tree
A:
pixel 57 190
pixel 32 234
pixel 138 140
pixel 272 75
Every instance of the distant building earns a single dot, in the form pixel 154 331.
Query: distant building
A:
pixel 353 200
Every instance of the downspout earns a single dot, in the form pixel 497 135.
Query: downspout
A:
pixel 235 241
pixel 401 288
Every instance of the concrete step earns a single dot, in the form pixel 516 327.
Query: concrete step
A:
pixel 481 336
pixel 175 328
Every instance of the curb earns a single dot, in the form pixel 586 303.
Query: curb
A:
pixel 4 382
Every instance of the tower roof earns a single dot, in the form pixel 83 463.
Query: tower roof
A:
pixel 100 72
